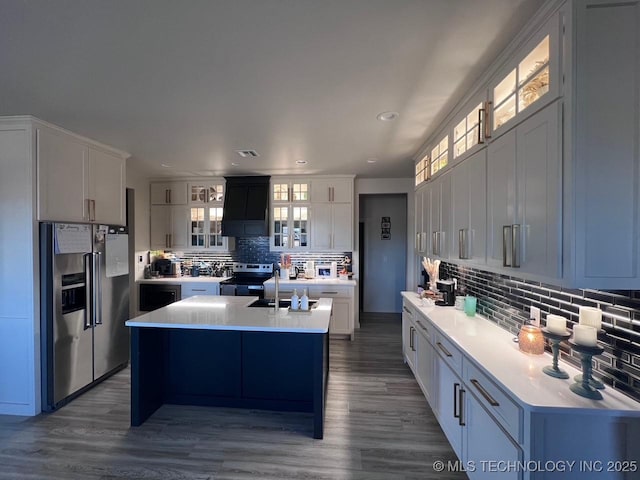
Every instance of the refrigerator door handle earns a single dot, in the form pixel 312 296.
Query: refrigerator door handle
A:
pixel 88 311
pixel 97 290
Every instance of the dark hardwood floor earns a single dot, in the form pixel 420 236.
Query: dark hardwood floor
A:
pixel 378 427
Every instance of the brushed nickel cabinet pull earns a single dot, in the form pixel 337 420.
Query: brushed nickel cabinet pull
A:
pixel 492 401
pixel 166 196
pixel 328 293
pixel 515 246
pixel 481 120
pixel 444 350
pixel 487 119
pixel 407 310
pixel 506 234
pixel 411 338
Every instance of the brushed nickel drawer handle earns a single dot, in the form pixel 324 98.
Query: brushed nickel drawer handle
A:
pixel 329 293
pixel 492 401
pixel 198 290
pixel 441 347
pixel 407 310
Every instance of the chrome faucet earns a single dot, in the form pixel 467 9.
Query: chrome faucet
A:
pixel 277 303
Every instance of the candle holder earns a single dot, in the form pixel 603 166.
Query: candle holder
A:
pixel 594 382
pixel 584 388
pixel 555 339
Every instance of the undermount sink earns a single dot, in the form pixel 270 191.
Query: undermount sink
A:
pixel 284 303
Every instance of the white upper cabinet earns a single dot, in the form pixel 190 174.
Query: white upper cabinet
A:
pixel 524 196
pixel 78 181
pixel 440 216
pixel 469 210
pixel 332 227
pixel 62 177
pixel 168 227
pixel 201 192
pixel 168 193
pixel 290 213
pixel 325 190
pixel 605 252
pixel 107 187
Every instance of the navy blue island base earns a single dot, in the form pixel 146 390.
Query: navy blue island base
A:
pixel 223 368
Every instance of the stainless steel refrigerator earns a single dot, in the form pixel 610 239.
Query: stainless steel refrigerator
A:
pixel 84 284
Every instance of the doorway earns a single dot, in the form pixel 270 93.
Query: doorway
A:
pixel 383 251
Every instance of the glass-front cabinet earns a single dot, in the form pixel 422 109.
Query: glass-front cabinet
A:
pixel 205 192
pixel 532 76
pixel 290 213
pixel 422 170
pixel 206 201
pixel 439 156
pixel 469 132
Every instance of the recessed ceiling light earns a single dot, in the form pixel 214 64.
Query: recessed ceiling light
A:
pixel 301 162
pixel 387 116
pixel 372 160
pixel 165 165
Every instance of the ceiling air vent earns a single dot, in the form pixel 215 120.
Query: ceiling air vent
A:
pixel 247 153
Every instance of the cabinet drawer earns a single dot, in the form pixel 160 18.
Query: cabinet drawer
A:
pixel 450 354
pixel 193 289
pixel 316 291
pixel 497 403
pixel 424 328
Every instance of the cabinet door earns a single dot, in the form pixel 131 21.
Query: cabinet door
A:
pixel 424 360
pixel 338 190
pixel 501 194
pixel 408 333
pixel 168 193
pixel 539 172
pixel 445 216
pixel 342 227
pixel 62 177
pixel 159 227
pixel 483 439
pixel 469 209
pixel 448 404
pixel 321 229
pixel 342 190
pixel 193 289
pixel 179 227
pixel 107 187
pixel 607 153
pixel 418 221
pixel 340 318
pixel 434 216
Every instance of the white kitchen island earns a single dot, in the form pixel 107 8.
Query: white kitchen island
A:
pixel 218 351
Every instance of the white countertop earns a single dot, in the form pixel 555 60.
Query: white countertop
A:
pixel 202 279
pixel 493 350
pixel 312 281
pixel 209 312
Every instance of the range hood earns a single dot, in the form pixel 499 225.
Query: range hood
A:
pixel 246 207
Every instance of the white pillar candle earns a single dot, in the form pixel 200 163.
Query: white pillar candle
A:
pixel 585 335
pixel 591 317
pixel 556 323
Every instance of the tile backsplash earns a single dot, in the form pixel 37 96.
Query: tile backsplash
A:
pixel 257 250
pixel 506 300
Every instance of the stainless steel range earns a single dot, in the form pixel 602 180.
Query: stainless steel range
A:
pixel 247 279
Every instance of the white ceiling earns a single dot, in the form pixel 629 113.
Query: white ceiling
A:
pixel 185 83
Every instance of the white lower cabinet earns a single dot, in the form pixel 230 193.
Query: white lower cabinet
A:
pixel 485 444
pixel 204 288
pixel 449 393
pixel 408 335
pixel 424 359
pixel 342 320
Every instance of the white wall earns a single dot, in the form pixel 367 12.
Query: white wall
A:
pixel 383 273
pixel 365 186
pixel 139 181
